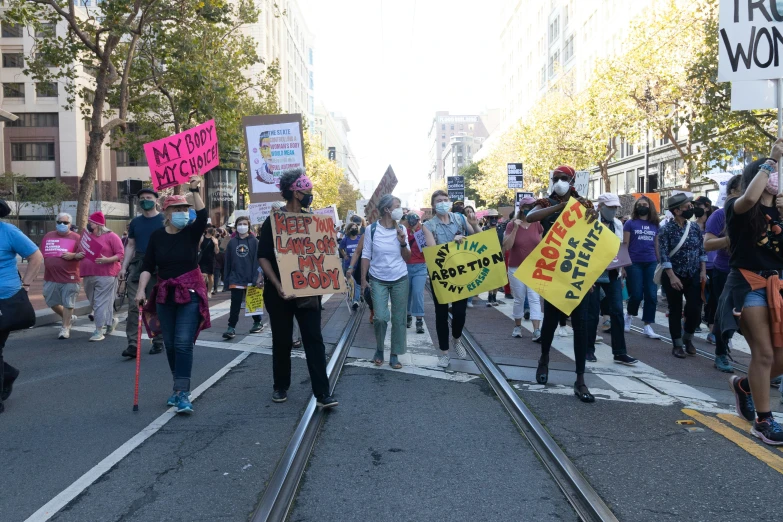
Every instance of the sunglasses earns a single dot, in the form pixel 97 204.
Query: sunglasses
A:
pixel 63 222
pixel 561 178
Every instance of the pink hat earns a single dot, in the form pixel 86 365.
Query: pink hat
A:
pixel 527 200
pixel 98 218
pixel 176 200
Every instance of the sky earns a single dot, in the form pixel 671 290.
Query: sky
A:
pixel 388 65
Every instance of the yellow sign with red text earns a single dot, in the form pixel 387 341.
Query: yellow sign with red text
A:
pixel 573 254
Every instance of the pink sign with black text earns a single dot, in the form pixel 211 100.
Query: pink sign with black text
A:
pixel 91 246
pixel 56 247
pixel 175 159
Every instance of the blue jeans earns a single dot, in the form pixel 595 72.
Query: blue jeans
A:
pixel 640 284
pixel 614 298
pixel 417 276
pixel 179 323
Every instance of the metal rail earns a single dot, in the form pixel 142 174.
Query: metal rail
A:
pixel 701 353
pixel 281 489
pixel 580 494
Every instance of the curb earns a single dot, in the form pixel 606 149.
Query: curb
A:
pixel 46 316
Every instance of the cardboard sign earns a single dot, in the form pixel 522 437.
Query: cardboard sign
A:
pixel 274 144
pixel 330 211
pixel 306 250
pixel 386 186
pixel 622 258
pixel 564 266
pixel 254 301
pixel 461 271
pixel 582 182
pixel 91 246
pixel 516 179
pixel 56 247
pixel 175 159
pixel 750 40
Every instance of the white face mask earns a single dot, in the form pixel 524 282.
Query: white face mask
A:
pixel 242 229
pixel 561 187
pixel 396 214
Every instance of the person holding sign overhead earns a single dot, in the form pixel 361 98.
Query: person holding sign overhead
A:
pixel 547 210
pixel 445 227
pixel 100 275
pixel 62 281
pixel 417 272
pixel 178 305
pixel 684 263
pixel 384 257
pixel 297 190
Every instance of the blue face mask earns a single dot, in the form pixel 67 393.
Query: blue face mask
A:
pixel 62 229
pixel 180 219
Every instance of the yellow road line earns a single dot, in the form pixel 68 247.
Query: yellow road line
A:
pixel 761 453
pixel 739 423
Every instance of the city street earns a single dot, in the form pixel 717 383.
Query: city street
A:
pixel 419 443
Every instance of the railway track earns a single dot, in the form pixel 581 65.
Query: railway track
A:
pixel 278 498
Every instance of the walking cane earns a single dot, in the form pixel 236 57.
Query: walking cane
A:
pixel 138 364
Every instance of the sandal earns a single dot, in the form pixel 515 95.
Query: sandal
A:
pixel 394 362
pixel 542 372
pixel 378 358
pixel 581 391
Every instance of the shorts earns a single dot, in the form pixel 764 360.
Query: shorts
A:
pixel 756 298
pixel 60 294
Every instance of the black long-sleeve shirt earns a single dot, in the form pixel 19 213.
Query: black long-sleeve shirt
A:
pixel 175 254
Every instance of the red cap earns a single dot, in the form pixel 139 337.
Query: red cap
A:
pixel 98 218
pixel 176 200
pixel 565 169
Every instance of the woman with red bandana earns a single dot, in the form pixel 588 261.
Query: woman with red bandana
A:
pixel 547 210
pixel 178 305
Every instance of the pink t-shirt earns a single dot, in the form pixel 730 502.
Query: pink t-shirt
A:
pixel 112 246
pixel 525 242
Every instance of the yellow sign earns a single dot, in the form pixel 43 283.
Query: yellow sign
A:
pixel 254 300
pixel 569 259
pixel 462 271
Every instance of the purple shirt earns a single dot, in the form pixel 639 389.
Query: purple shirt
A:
pixel 641 244
pixel 716 225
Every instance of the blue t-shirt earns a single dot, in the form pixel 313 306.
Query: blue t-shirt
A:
pixel 641 244
pixel 349 245
pixel 12 243
pixel 141 229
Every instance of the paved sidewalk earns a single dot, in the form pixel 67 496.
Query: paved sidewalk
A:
pixel 44 315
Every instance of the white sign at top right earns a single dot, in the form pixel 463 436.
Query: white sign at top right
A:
pixel 751 40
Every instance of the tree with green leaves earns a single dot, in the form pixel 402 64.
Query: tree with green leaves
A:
pixel 48 194
pixel 14 188
pixel 347 196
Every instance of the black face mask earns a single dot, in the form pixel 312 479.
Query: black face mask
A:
pixel 493 222
pixel 698 212
pixel 687 214
pixel 643 211
pixel 307 200
pixel 353 233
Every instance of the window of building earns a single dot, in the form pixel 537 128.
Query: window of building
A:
pixel 442 126
pixel 554 63
pixel 443 136
pixel 46 89
pixel 126 159
pixel 13 90
pixel 89 96
pixel 35 119
pixel 14 60
pixel 554 30
pixel 568 51
pixel 452 126
pixel 11 30
pixel 32 151
pixel 46 29
pixel 311 81
pixel 443 145
pixel 543 77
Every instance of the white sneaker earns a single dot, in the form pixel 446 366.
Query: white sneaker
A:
pixel 74 317
pixel 599 338
pixel 459 350
pixel 537 335
pixel 648 331
pixel 470 304
pixel 443 360
pixel 114 322
pixel 628 320
pixel 564 331
pixel 517 332
pixel 97 335
pixel 65 333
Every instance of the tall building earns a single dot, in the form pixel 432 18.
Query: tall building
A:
pixel 47 141
pixel 281 34
pixel 332 129
pixel 446 126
